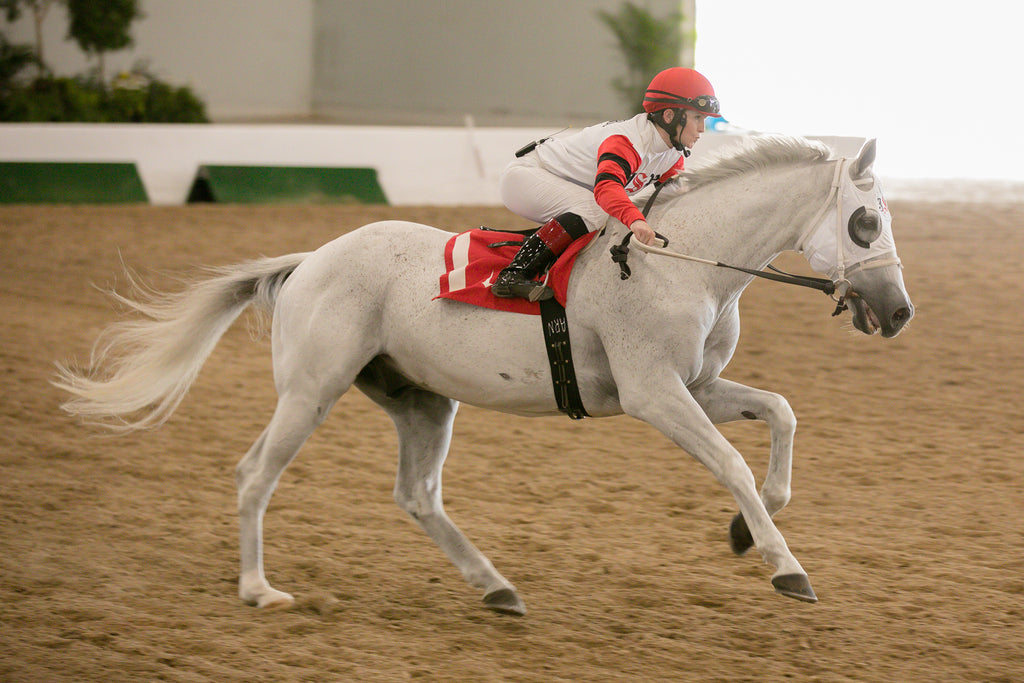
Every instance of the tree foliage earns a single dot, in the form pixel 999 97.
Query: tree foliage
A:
pixel 649 45
pixel 39 8
pixel 101 26
pixel 13 60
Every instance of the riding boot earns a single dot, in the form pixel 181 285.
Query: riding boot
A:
pixel 538 252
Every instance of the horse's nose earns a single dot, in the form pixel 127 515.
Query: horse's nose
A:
pixel 901 316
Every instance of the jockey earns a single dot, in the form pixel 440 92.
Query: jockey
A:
pixel 572 184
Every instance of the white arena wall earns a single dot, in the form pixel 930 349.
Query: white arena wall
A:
pixel 442 166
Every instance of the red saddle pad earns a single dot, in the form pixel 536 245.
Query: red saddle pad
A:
pixel 472 264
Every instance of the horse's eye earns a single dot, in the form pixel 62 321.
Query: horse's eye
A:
pixel 865 227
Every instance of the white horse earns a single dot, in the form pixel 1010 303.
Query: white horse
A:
pixel 360 310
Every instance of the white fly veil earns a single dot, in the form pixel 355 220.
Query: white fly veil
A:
pixel 854 231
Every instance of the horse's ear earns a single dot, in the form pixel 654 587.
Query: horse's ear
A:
pixel 865 158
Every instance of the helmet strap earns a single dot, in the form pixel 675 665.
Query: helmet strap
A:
pixel 673 129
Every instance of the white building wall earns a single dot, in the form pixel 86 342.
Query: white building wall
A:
pixel 503 62
pixel 409 62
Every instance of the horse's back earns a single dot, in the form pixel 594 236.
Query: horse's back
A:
pixel 387 244
pixel 364 263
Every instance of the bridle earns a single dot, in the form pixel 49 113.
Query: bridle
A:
pixel 829 286
pixel 841 270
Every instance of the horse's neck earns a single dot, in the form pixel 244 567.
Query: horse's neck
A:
pixel 748 219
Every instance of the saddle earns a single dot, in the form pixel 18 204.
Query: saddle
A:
pixel 473 260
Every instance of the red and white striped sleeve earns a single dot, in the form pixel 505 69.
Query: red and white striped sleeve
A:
pixel 617 161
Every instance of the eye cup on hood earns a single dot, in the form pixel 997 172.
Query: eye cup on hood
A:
pixel 865 227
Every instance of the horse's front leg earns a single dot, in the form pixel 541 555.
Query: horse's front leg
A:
pixel 726 401
pixel 670 407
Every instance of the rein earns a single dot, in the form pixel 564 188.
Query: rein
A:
pixel 620 253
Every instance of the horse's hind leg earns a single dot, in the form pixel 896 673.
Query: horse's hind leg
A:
pixel 424 424
pixel 257 475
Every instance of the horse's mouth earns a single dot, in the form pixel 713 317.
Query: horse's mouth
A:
pixel 873 323
pixel 864 317
pixel 867 321
pixel 888 312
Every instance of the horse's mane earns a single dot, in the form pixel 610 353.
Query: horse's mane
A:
pixel 756 153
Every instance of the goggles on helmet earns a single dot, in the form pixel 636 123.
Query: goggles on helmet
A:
pixel 706 104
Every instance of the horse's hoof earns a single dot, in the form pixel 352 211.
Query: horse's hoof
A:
pixel 279 603
pixel 506 601
pixel 794 586
pixel 272 599
pixel 739 535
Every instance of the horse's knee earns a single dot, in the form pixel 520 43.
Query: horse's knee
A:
pixel 406 502
pixel 418 501
pixel 734 472
pixel 775 498
pixel 780 414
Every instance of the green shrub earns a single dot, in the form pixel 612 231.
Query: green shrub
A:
pixel 145 100
pixel 167 104
pixel 50 99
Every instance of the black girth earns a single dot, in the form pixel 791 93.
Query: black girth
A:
pixel 559 349
pixel 563 375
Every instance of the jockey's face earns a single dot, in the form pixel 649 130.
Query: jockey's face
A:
pixel 687 134
pixel 691 132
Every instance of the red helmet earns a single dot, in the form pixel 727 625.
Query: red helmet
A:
pixel 679 87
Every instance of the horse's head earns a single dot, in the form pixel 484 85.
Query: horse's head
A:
pixel 851 242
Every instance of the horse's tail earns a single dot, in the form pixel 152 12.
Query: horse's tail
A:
pixel 140 369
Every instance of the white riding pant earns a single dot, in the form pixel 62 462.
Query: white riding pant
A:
pixel 530 191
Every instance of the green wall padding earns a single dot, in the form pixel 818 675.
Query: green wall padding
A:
pixel 286 184
pixel 67 182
